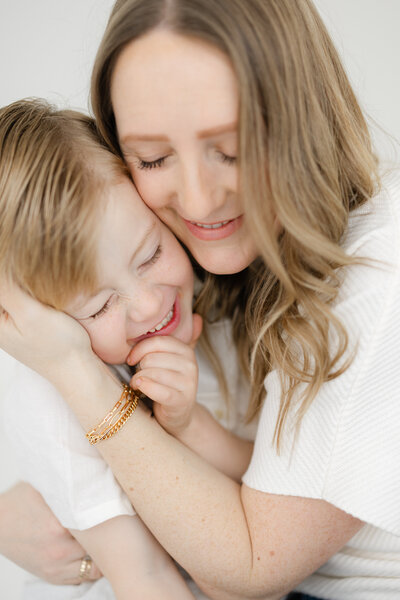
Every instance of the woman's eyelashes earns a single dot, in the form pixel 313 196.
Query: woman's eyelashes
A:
pixel 159 162
pixel 226 158
pixel 151 164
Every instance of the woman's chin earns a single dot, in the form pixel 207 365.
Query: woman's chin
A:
pixel 224 262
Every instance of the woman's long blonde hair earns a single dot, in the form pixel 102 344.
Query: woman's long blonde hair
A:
pixel 54 175
pixel 305 161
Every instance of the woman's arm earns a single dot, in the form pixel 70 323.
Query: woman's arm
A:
pixel 133 561
pixel 236 543
pixel 31 536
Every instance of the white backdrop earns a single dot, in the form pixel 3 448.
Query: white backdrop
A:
pixel 47 49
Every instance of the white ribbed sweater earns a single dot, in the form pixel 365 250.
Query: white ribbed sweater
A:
pixel 348 450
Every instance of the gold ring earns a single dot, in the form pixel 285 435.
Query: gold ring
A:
pixel 85 568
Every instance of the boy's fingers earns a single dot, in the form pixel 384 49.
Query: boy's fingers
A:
pixel 171 379
pixel 165 360
pixel 197 329
pixel 156 391
pixel 156 343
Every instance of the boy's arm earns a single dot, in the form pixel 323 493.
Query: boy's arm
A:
pixel 168 374
pixel 135 564
pixel 220 447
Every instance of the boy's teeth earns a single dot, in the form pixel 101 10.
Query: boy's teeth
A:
pixel 212 226
pixel 163 323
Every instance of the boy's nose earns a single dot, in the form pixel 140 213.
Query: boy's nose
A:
pixel 145 306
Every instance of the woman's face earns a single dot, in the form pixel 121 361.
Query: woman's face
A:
pixel 176 105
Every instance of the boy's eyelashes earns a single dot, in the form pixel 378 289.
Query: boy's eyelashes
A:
pixel 103 309
pixel 153 259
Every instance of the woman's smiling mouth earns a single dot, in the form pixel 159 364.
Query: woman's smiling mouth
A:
pixel 214 231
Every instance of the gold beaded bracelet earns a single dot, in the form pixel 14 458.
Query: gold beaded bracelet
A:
pixel 116 418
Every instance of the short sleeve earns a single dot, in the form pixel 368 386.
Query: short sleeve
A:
pixel 348 448
pixel 55 457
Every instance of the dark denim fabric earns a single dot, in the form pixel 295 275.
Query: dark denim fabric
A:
pixel 300 596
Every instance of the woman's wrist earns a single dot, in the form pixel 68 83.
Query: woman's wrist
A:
pixel 88 387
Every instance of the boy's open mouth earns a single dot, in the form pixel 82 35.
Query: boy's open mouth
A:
pixel 164 322
pixel 165 327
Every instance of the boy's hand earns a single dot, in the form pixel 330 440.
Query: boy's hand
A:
pixel 168 375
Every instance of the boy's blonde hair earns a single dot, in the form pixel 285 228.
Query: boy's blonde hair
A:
pixel 305 158
pixel 54 176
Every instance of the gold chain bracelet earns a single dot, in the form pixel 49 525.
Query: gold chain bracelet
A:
pixel 116 418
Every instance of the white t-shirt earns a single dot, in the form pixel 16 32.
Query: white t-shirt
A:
pixel 55 457
pixel 348 449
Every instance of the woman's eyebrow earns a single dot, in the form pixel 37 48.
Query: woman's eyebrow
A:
pixel 213 131
pixel 205 133
pixel 143 137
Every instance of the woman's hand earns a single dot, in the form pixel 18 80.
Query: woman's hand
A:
pixel 37 335
pixel 31 536
pixel 168 374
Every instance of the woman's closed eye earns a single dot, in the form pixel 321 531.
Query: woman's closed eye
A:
pixel 151 164
pixel 226 158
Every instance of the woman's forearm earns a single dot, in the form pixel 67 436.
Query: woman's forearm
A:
pixel 194 510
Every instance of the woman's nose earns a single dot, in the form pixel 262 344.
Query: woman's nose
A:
pixel 199 196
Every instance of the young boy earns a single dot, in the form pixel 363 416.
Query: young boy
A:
pixel 75 234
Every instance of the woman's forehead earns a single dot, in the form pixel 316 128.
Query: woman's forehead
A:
pixel 167 76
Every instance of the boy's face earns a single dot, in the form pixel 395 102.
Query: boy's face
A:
pixel 145 280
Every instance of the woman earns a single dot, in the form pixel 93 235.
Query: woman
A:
pixel 242 133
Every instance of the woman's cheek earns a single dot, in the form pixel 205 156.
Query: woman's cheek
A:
pixel 150 187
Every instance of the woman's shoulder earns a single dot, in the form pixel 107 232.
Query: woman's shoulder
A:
pixel 374 227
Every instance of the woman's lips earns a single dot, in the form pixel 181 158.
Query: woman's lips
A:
pixel 167 329
pixel 214 231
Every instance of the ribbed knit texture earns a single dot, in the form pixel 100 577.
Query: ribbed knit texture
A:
pixel 348 449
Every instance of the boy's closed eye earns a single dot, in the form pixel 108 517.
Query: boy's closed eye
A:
pixel 152 260
pixel 102 310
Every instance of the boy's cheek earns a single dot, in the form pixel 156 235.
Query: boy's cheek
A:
pixel 111 355
pixel 111 348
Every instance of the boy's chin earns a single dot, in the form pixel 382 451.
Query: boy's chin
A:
pixel 112 359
